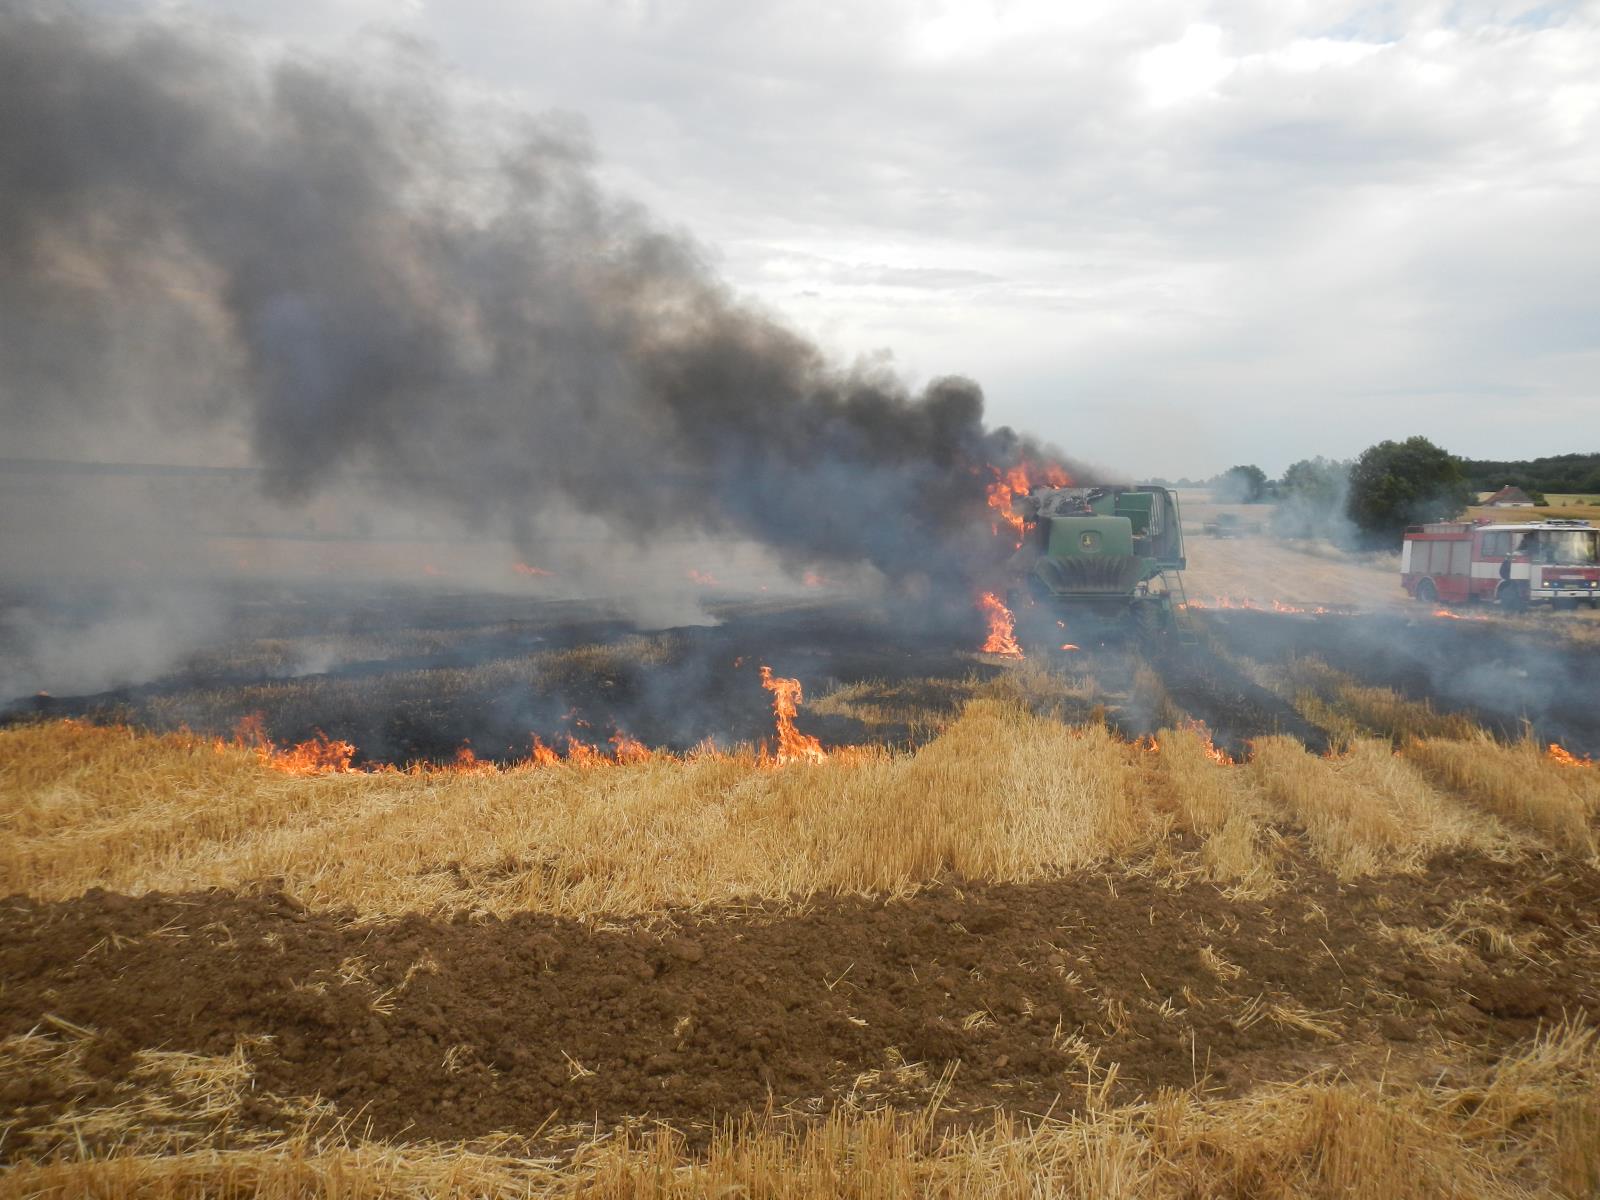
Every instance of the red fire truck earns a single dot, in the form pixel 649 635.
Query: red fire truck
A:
pixel 1512 565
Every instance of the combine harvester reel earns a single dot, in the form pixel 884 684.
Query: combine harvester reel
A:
pixel 1100 565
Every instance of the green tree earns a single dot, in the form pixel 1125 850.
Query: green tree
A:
pixel 1241 485
pixel 1395 484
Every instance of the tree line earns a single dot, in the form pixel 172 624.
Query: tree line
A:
pixel 1563 474
pixel 1369 500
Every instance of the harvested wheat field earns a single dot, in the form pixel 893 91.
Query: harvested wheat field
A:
pixel 1276 913
pixel 589 605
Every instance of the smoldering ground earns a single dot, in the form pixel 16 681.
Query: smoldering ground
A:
pixel 408 674
pixel 112 579
pixel 1504 677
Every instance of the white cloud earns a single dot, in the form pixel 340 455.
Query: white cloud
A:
pixel 1186 69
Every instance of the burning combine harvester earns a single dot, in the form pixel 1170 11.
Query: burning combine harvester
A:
pixel 1102 562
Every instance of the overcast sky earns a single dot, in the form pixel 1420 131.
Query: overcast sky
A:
pixel 1168 236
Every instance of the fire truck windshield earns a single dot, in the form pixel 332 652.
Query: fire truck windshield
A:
pixel 1579 547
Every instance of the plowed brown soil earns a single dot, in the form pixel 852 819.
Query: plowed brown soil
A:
pixel 457 1028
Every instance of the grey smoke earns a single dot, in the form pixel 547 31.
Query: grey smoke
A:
pixel 371 274
pixel 1314 503
pixel 141 635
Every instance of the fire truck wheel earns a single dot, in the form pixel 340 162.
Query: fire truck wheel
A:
pixel 1427 593
pixel 1513 596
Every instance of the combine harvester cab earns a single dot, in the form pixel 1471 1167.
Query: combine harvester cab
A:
pixel 1452 562
pixel 1103 562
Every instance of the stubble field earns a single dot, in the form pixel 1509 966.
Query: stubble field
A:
pixel 1303 907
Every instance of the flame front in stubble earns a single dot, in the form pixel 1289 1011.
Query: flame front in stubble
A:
pixel 1002 639
pixel 1561 755
pixel 793 746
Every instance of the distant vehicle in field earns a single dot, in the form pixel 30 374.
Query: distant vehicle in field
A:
pixel 1512 565
pixel 1223 525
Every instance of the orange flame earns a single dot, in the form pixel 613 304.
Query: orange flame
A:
pixel 1455 616
pixel 582 754
pixel 468 763
pixel 1016 481
pixel 1561 755
pixel 1070 646
pixel 523 568
pixel 1006 486
pixel 1203 731
pixel 250 732
pixel 1248 604
pixel 629 749
pixel 703 578
pixel 625 749
pixel 1002 638
pixel 793 746
pixel 320 755
pixel 323 755
pixel 815 579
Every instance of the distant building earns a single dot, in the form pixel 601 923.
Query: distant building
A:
pixel 1509 497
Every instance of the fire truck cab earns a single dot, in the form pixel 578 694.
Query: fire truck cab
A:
pixel 1512 565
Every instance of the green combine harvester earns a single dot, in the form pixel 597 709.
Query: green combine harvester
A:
pixel 1099 563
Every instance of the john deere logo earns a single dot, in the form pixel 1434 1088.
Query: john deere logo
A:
pixel 1089 540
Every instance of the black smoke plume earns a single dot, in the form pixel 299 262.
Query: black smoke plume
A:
pixel 372 276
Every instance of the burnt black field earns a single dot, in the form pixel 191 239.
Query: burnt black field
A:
pixel 417 675
pixel 1505 677
pixel 411 675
